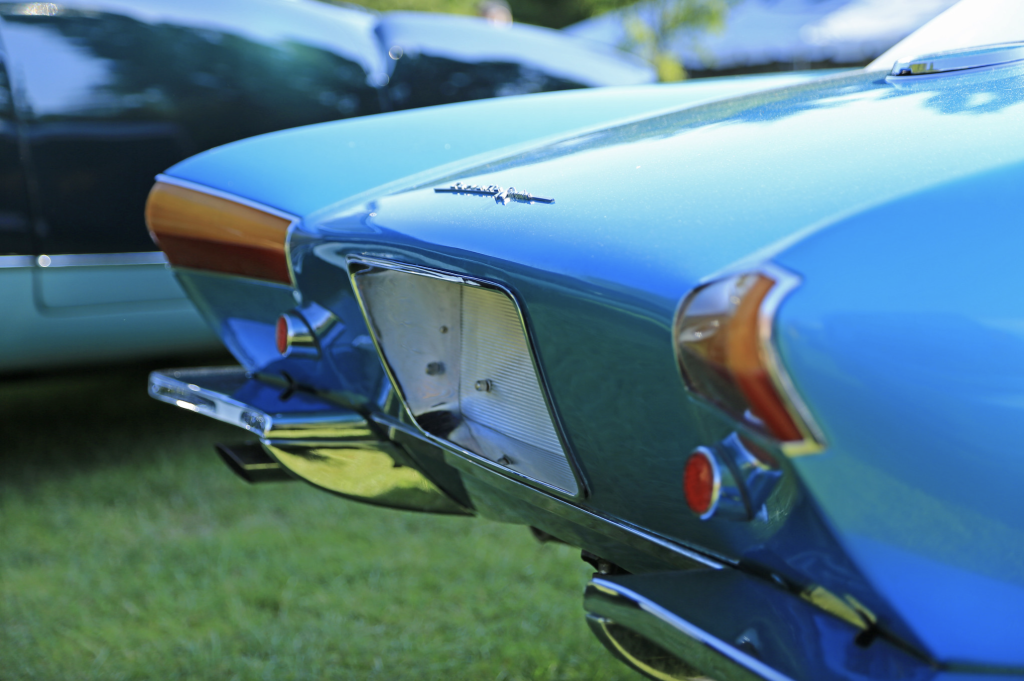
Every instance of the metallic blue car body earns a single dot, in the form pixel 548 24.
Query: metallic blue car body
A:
pixel 306 170
pixel 896 204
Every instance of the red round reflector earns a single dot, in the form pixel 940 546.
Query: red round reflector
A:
pixel 700 483
pixel 281 332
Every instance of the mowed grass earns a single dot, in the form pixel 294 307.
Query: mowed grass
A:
pixel 129 551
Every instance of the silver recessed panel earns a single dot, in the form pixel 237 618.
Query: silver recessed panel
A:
pixel 416 321
pixel 458 353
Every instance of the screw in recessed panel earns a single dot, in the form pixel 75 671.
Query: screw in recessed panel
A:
pixel 435 369
pixel 444 329
pixel 484 386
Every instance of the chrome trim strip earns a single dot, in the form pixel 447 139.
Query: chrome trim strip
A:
pixel 614 529
pixel 396 266
pixel 7 261
pixel 785 283
pixel 444 444
pixel 678 624
pixel 959 60
pixel 102 259
pixel 203 189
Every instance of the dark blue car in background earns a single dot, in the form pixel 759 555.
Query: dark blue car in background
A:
pixel 98 97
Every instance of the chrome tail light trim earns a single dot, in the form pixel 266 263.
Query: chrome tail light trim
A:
pixel 809 438
pixel 785 283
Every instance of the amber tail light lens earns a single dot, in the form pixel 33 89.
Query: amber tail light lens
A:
pixel 207 232
pixel 726 355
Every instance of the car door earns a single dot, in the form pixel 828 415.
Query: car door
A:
pixel 15 215
pixel 111 98
pixel 107 97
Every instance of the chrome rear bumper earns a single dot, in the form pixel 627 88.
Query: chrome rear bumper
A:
pixel 727 625
pixel 383 459
pixel 324 444
pixel 231 395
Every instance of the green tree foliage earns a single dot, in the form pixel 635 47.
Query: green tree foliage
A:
pixel 650 27
pixel 550 13
pixel 446 6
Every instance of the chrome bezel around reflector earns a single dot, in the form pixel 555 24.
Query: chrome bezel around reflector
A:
pixel 568 483
pixel 811 439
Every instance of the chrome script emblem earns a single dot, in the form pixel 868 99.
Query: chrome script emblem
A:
pixel 502 196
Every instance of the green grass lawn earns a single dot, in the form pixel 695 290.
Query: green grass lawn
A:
pixel 129 551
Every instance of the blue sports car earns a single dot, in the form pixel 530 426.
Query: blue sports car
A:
pixel 759 357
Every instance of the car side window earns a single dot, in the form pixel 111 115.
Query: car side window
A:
pixel 15 215
pixel 429 80
pixel 438 59
pixel 111 100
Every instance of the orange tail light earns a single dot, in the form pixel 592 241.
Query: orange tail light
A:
pixel 207 232
pixel 723 342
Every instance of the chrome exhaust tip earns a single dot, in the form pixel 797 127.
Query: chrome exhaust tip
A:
pixel 251 463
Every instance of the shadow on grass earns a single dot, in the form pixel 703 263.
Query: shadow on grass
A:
pixel 64 423
pixel 130 552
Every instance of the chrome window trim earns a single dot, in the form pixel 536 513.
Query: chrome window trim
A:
pixel 613 528
pixel 964 59
pixel 651 609
pixel 293 220
pixel 369 261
